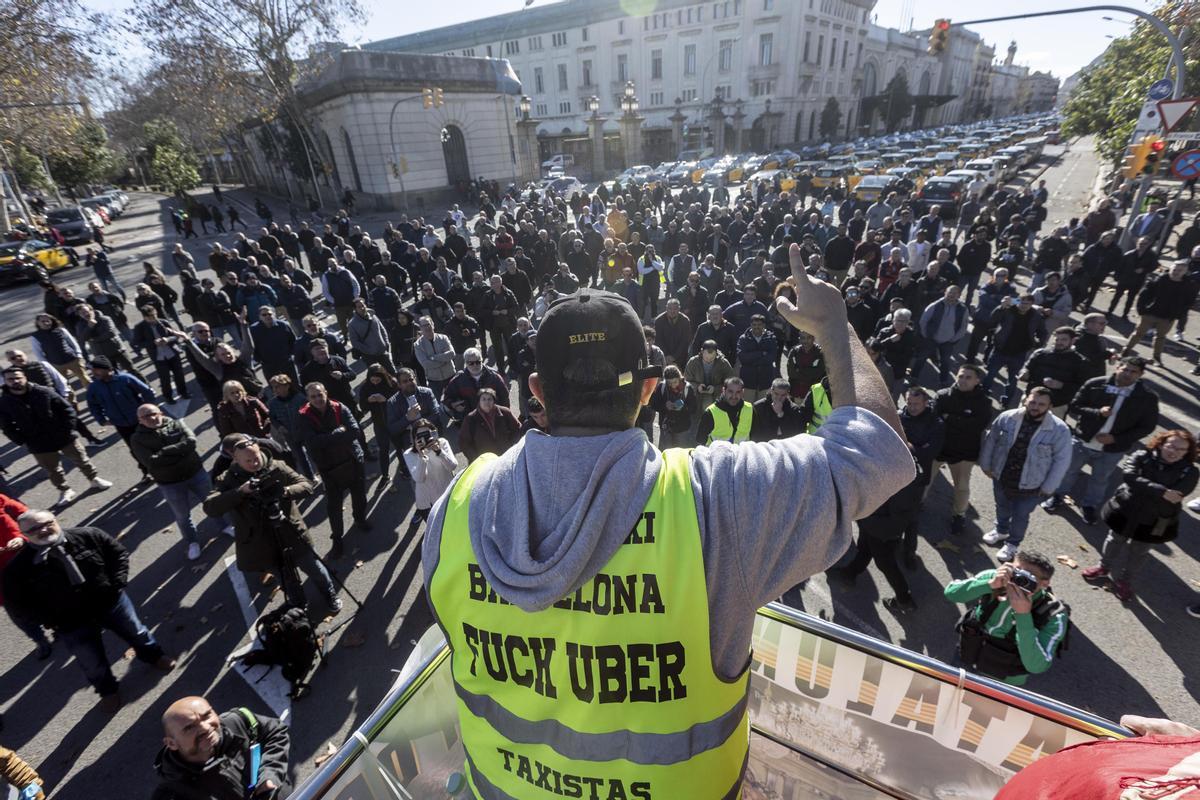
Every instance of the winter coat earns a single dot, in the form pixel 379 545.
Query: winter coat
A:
pixel 115 401
pixel 1048 456
pixel 332 439
pixel 1060 365
pixel 367 336
pixel 674 420
pixel 477 438
pixel 251 418
pixel 966 416
pixel 693 373
pixel 1137 508
pixel 43 593
pixel 168 452
pixel 436 357
pixel 766 425
pixel 757 359
pixel 39 420
pixel 255 540
pixel 1137 416
pixel 464 388
pixel 397 411
pixel 224 775
pixel 926 433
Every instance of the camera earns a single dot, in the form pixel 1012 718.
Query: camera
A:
pixel 426 437
pixel 267 494
pixel 1024 580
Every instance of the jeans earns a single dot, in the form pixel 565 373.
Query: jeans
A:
pixel 1011 363
pixel 1012 512
pixel 944 352
pixel 1129 292
pixel 1103 464
pixel 86 644
pixel 28 627
pixel 108 282
pixel 1122 556
pixel 168 369
pixel 182 497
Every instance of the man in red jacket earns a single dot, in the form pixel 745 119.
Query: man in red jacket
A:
pixel 11 541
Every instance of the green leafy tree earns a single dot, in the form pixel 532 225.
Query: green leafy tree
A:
pixel 896 102
pixel 831 118
pixel 174 169
pixel 28 166
pixel 85 159
pixel 1109 96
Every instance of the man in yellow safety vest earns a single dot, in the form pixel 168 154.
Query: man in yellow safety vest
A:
pixel 598 595
pixel 728 419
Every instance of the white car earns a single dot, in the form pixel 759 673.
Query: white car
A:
pixel 987 168
pixel 562 161
pixel 564 186
pixel 636 174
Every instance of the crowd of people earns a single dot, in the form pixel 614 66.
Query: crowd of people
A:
pixel 341 361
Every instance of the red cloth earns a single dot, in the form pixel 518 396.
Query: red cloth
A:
pixel 10 509
pixel 1145 767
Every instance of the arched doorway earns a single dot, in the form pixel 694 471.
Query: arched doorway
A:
pixel 758 136
pixel 798 133
pixel 454 151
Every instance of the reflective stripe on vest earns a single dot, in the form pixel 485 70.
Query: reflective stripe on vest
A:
pixel 722 430
pixel 821 405
pixel 610 692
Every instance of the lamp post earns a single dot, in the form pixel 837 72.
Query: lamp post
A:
pixel 677 120
pixel 739 118
pixel 716 122
pixel 631 125
pixel 596 121
pixel 527 137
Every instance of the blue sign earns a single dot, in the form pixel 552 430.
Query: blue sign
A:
pixel 1186 166
pixel 1161 89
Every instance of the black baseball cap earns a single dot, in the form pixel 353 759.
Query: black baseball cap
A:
pixel 598 326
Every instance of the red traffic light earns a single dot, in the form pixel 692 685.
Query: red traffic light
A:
pixel 943 24
pixel 1158 146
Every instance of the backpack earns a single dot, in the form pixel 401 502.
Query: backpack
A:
pixel 289 641
pixel 1043 610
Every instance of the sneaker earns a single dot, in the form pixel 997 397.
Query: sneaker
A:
pixel 1178 336
pixel 1051 503
pixel 958 524
pixel 100 483
pixel 1194 505
pixel 64 497
pixel 1089 515
pixel 229 531
pixel 1094 573
pixel 193 551
pixel 1007 553
pixel 896 604
pixel 110 703
pixel 994 537
pixel 1194 611
pixel 1123 590
pixel 335 604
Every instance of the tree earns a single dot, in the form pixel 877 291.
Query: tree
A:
pixel 172 163
pixel 84 157
pixel 896 103
pixel 831 119
pixel 1109 96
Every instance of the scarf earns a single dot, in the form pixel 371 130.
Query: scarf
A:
pixel 59 554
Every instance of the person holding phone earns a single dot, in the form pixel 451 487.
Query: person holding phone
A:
pixel 432 464
pixel 1013 626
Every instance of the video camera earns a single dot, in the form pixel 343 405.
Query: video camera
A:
pixel 425 437
pixel 267 491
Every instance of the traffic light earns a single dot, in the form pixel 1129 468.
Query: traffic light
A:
pixel 1128 168
pixel 439 99
pixel 427 97
pixel 939 37
pixel 1154 151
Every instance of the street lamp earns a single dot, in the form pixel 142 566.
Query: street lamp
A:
pixel 525 105
pixel 629 101
pixel 593 105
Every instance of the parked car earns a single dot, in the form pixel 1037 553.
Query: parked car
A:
pixel 564 186
pixel 945 191
pixel 563 160
pixel 73 222
pixel 681 175
pixel 104 206
pixel 32 260
pixel 873 187
pixel 985 167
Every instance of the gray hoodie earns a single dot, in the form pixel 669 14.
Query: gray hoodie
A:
pixel 550 512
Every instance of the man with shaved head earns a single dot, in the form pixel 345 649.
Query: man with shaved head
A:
pixel 206 755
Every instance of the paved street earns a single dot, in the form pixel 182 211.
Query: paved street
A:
pixel 1120 658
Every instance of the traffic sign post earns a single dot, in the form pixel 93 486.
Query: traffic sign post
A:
pixel 1161 89
pixel 1172 112
pixel 1186 165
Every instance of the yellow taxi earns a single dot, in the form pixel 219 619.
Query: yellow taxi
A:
pixel 830 176
pixel 51 256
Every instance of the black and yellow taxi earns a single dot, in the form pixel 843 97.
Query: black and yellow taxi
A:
pixel 32 259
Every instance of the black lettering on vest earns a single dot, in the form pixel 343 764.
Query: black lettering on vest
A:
pixel 641 790
pixel 471 634
pixel 642 534
pixel 594 783
pixel 580 603
pixel 523 768
pixel 581 653
pixel 870 675
pixel 610 663
pixel 639 673
pixel 508 754
pixel 671 660
pixel 571 786
pixel 616 790
pixel 648 535
pixel 624 589
pixel 512 645
pixel 565 604
pixel 543 649
pixel 478 583
pixel 543 777
pixel 602 594
pixel 493 655
pixel 651 597
pixel 558 776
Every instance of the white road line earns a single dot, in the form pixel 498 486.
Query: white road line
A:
pixel 272 688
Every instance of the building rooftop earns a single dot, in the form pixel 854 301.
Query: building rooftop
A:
pixel 377 70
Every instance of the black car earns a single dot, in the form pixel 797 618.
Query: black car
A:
pixel 22 269
pixel 944 192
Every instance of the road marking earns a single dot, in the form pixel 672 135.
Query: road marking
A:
pixel 272 687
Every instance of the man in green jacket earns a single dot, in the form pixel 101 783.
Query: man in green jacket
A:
pixel 1014 625
pixel 166 449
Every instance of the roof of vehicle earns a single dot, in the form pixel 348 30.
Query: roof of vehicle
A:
pixel 881 180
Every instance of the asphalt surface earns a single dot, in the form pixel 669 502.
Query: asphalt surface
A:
pixel 1121 658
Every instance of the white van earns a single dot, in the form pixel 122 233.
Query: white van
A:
pixel 563 161
pixel 987 168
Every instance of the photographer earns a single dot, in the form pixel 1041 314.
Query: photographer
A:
pixel 259 493
pixel 432 465
pixel 205 755
pixel 1014 625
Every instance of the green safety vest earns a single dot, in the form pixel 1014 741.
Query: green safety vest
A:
pixel 822 407
pixel 608 693
pixel 722 429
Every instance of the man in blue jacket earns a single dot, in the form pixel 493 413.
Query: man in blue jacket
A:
pixel 757 351
pixel 113 397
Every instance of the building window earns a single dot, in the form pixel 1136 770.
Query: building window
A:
pixel 535 43
pixel 564 107
pixel 725 56
pixel 587 72
pixel 583 34
pixel 833 52
pixel 489 51
pixel 512 47
pixel 560 39
pixel 656 98
pixel 562 77
pixel 807 45
pixel 765 43
pixel 539 85
pixel 469 52
pixel 656 65
pixel 688 95
pixel 689 59
pixel 845 51
pixel 762 88
pixel 620 27
pixel 768 5
pixel 725 91
pixel 820 49
pixel 622 67
pixel 737 7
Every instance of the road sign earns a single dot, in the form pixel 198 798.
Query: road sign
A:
pixel 1148 121
pixel 1183 136
pixel 1172 112
pixel 1186 165
pixel 1161 89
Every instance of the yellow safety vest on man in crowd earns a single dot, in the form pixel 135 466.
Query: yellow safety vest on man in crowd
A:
pixel 723 430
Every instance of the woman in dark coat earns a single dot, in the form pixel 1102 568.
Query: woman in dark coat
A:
pixel 373 394
pixel 1144 511
pixel 242 413
pixel 490 428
